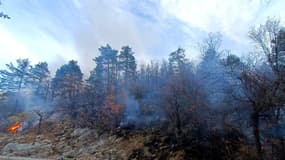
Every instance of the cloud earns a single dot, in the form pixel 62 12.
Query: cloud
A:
pixel 76 29
pixel 32 33
pixel 11 47
pixel 232 18
pixel 58 31
pixel 229 17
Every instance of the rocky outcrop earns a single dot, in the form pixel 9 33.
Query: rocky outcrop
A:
pixel 63 142
pixel 41 149
pixel 20 158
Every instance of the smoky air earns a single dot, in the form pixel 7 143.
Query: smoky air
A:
pixel 122 91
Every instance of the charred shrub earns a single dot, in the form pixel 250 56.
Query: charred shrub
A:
pixel 218 145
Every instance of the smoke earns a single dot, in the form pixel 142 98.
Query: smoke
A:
pixel 31 102
pixel 76 29
pixel 141 113
pixel 32 106
pixel 132 114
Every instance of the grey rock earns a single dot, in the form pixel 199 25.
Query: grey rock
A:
pixel 24 149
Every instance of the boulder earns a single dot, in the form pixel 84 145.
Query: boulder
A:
pixel 27 149
pixel 84 133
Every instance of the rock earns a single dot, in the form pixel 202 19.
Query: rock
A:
pixel 27 149
pixel 70 154
pixel 84 133
pixel 163 148
pixel 65 158
pixel 79 131
pixel 57 116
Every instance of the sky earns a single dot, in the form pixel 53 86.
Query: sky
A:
pixel 57 31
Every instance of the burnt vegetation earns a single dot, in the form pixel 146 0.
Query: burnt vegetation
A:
pixel 225 107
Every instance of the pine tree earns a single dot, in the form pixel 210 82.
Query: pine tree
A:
pixel 96 82
pixel 67 81
pixel 39 75
pixel 127 64
pixel 211 71
pixel 177 61
pixel 15 78
pixel 107 62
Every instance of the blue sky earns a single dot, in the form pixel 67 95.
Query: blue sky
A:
pixel 60 30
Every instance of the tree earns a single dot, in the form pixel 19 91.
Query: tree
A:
pixel 183 101
pixel 175 99
pixel 278 53
pixel 15 77
pixel 40 75
pixel 261 85
pixel 41 115
pixel 103 77
pixel 177 61
pixel 210 71
pixel 256 88
pixel 111 111
pixel 96 82
pixel 109 59
pixel 264 36
pixel 127 64
pixel 212 42
pixel 180 95
pixel 67 82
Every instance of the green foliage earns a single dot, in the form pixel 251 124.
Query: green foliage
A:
pixel 39 79
pixel 177 61
pixel 15 77
pixel 67 81
pixel 127 64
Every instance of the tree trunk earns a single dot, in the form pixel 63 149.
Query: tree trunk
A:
pixel 18 93
pixel 256 133
pixel 282 148
pixel 178 129
pixel 16 104
pixel 40 123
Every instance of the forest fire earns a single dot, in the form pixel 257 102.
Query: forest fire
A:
pixel 14 128
pixel 143 80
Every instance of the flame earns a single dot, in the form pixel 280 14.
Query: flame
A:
pixel 14 128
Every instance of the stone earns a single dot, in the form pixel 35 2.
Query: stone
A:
pixel 23 149
pixel 79 131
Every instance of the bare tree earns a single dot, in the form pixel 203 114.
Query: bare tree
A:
pixel 42 116
pixel 261 85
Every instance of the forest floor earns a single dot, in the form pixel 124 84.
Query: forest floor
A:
pixel 19 158
pixel 61 141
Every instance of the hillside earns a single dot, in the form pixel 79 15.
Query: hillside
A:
pixel 61 141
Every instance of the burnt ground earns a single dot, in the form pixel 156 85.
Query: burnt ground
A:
pixel 63 141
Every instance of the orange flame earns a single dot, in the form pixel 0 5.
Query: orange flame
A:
pixel 14 128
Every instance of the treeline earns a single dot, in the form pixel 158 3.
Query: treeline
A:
pixel 224 98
